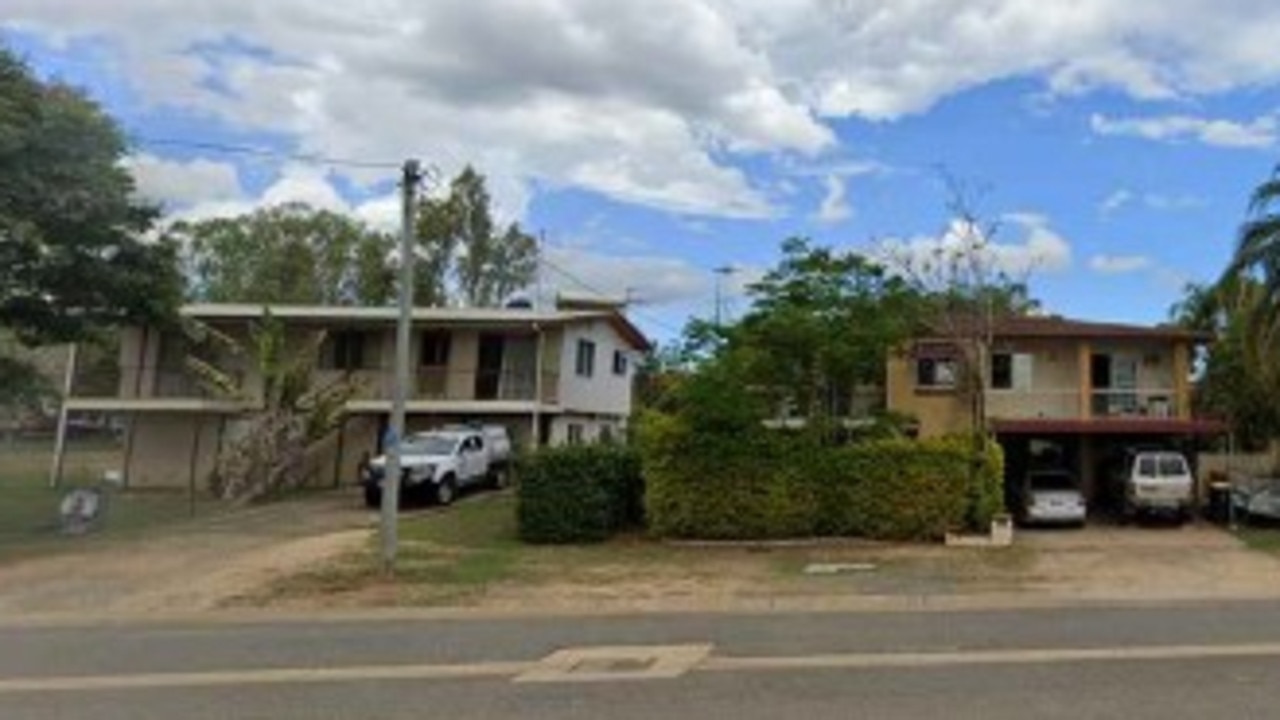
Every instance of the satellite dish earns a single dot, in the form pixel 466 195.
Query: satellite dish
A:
pixel 80 509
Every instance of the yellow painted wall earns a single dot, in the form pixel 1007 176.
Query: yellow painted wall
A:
pixel 938 413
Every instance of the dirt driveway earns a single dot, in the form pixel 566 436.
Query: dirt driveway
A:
pixel 191 567
pixel 1191 562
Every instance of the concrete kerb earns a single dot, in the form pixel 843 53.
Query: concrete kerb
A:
pixel 810 605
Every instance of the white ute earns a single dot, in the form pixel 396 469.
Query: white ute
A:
pixel 438 463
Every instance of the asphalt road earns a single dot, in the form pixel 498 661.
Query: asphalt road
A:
pixel 1200 661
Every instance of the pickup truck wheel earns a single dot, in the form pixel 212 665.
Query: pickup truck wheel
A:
pixel 372 497
pixel 498 478
pixel 446 491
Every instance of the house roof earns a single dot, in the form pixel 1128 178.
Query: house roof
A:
pixel 1056 326
pixel 437 315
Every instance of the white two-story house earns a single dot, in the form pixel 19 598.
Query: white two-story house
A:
pixel 550 376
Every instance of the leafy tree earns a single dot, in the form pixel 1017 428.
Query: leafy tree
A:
pixel 462 247
pixel 73 259
pixel 290 253
pixel 821 324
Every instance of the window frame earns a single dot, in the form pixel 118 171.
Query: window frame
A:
pixel 340 352
pixel 441 341
pixel 1005 361
pixel 620 363
pixel 932 384
pixel 584 363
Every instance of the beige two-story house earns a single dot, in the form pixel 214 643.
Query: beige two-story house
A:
pixel 1060 391
pixel 550 376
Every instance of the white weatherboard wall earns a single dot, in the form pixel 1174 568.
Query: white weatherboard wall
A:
pixel 603 393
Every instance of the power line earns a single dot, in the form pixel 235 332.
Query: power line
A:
pixel 592 288
pixel 231 149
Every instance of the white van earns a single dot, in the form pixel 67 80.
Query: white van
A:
pixel 1157 481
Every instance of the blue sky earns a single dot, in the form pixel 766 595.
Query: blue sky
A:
pixel 1116 147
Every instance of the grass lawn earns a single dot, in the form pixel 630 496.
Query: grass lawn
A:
pixel 1264 538
pixel 469 555
pixel 29 520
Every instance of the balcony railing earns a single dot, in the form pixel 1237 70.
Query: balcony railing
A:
pixel 140 382
pixel 484 385
pixel 144 382
pixel 1153 403
pixel 1033 404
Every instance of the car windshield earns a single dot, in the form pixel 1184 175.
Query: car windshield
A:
pixel 430 445
pixel 1052 481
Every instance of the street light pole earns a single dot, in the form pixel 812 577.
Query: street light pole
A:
pixel 410 177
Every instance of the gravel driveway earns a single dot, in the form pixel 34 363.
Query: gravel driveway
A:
pixel 1191 562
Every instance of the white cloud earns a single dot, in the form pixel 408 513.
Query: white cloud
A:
pixel 183 182
pixel 1257 133
pixel 1040 249
pixel 835 205
pixel 650 279
pixel 1118 264
pixel 647 101
pixel 1162 202
pixel 297 183
pixel 1116 201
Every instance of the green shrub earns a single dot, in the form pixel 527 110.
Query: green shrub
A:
pixel 579 494
pixel 760 483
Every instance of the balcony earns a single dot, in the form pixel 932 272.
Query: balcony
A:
pixel 1127 404
pixel 147 388
pixel 1033 404
pixel 484 385
pixel 1157 403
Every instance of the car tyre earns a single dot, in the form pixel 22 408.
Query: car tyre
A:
pixel 446 491
pixel 499 478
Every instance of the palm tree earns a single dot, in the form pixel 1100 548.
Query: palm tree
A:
pixel 290 411
pixel 1257 253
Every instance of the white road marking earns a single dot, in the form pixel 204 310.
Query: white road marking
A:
pixel 657 662
pixel 579 664
pixel 991 657
pixel 266 676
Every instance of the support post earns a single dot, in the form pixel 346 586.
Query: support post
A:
pixel 537 387
pixel 410 177
pixel 60 441
pixel 195 464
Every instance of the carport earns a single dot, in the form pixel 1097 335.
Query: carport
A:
pixel 1090 449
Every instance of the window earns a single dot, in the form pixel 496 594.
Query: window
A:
pixel 936 373
pixel 575 434
pixel 585 365
pixel 606 434
pixel 434 351
pixel 1011 371
pixel 344 350
pixel 619 362
pixel 1147 467
pixel 1002 371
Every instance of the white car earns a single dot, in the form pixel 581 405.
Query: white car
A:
pixel 1053 496
pixel 438 463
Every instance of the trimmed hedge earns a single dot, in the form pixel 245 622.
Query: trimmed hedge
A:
pixel 769 484
pixel 579 494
